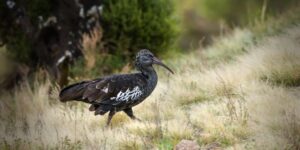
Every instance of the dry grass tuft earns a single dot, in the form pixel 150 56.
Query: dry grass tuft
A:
pixel 90 43
pixel 277 61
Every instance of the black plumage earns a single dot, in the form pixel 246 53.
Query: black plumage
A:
pixel 117 92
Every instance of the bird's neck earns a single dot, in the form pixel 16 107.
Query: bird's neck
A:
pixel 151 77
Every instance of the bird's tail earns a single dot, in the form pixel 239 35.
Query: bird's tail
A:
pixel 73 92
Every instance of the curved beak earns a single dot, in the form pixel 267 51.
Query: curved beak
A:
pixel 158 62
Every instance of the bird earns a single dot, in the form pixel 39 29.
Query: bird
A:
pixel 118 92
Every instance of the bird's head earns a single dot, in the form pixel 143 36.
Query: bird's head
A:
pixel 145 59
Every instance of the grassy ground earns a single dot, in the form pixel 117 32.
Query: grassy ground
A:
pixel 241 93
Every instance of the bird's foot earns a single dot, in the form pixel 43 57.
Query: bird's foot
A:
pixel 108 126
pixel 136 119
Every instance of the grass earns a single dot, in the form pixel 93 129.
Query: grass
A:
pixel 242 93
pixel 225 49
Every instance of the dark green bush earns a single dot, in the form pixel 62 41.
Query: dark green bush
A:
pixel 130 25
pixel 104 65
pixel 19 46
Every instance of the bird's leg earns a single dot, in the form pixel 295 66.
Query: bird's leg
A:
pixel 110 115
pixel 129 112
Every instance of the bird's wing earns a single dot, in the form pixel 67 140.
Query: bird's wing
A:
pixel 75 91
pixel 115 89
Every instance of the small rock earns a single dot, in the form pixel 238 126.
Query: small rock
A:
pixel 187 145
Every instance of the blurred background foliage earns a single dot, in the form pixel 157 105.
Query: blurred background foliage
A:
pixel 20 47
pixel 170 27
pixel 201 20
pixel 166 27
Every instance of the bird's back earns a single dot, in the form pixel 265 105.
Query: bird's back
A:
pixel 119 91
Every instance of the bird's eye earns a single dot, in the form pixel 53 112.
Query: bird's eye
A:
pixel 149 55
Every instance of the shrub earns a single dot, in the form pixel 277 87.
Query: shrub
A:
pixel 130 25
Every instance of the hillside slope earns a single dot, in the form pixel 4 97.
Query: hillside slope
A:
pixel 245 97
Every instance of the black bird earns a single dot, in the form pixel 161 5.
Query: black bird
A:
pixel 117 92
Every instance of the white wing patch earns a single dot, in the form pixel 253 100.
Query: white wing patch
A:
pixel 105 89
pixel 133 94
